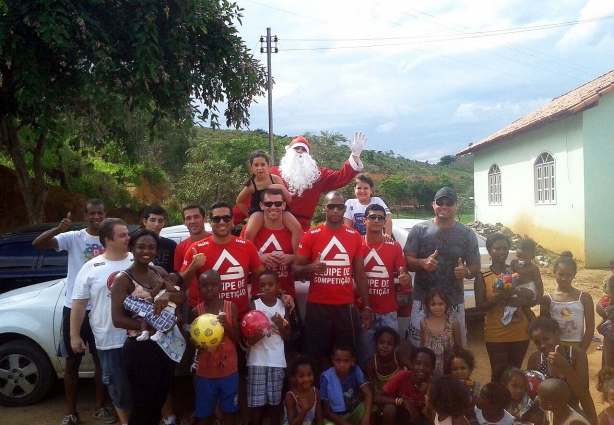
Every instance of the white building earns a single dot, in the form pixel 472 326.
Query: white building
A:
pixel 550 174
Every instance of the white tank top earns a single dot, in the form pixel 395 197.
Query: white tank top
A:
pixel 269 351
pixel 570 316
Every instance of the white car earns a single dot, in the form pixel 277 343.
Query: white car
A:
pixel 30 321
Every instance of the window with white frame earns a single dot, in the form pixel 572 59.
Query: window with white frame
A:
pixel 494 185
pixel 545 187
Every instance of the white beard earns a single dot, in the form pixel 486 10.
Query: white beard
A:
pixel 300 171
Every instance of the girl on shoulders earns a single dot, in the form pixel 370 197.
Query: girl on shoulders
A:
pixel 438 330
pixel 259 181
pixel 354 216
pixel 571 308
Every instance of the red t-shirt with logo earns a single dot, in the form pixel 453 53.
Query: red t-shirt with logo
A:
pixel 402 386
pixel 381 261
pixel 233 261
pixel 280 240
pixel 338 249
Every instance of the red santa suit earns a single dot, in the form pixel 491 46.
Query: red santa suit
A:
pixel 305 205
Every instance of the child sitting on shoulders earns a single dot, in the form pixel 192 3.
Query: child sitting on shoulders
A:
pixel 553 395
pixel 521 406
pixel 492 401
pixel 345 393
pixel 530 284
pixel 260 180
pixel 266 360
pixel 447 401
pixel 302 403
pixel 404 396
pixel 605 385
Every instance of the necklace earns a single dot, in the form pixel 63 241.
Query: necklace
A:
pixel 373 249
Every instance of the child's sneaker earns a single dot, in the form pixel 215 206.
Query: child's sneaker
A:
pixel 103 415
pixel 70 420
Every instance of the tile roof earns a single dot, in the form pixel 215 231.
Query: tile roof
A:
pixel 562 106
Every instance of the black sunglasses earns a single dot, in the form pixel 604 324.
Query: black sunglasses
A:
pixel 217 218
pixel 269 204
pixel 441 203
pixel 335 206
pixel 376 217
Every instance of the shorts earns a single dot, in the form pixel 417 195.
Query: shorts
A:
pixel 64 348
pixel 418 313
pixel 115 378
pixel 326 325
pixel 208 390
pixel 264 385
pixel 354 417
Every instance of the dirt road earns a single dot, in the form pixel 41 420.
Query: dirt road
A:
pixel 51 410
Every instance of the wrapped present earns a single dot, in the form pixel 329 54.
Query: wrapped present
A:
pixel 506 281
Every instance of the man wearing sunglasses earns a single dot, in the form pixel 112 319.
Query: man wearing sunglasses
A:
pixel 231 256
pixel 442 252
pixel 306 181
pixel 331 255
pixel 382 258
pixel 274 244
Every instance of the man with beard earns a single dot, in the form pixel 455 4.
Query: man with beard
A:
pixel 306 181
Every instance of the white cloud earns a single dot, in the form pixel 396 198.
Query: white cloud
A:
pixel 386 128
pixel 590 33
pixel 481 111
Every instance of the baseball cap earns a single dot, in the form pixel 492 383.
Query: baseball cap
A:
pixel 446 192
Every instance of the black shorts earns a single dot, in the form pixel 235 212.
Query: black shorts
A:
pixel 64 348
pixel 326 325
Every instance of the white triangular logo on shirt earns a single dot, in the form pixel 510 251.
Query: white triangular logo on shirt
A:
pixel 379 271
pixel 272 240
pixel 233 272
pixel 341 259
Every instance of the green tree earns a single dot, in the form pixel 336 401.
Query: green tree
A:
pixel 423 191
pixel 101 60
pixel 447 160
pixel 394 190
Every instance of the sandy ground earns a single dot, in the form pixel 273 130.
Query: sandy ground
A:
pixel 51 409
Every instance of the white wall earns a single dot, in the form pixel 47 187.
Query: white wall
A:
pixel 558 227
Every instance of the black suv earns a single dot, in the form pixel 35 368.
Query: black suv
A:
pixel 22 265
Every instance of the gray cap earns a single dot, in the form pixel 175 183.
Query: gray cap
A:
pixel 446 192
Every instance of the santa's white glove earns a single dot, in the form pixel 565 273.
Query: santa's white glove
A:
pixel 358 144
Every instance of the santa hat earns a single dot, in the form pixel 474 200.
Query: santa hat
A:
pixel 299 141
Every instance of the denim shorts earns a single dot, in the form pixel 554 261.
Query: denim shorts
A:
pixel 115 378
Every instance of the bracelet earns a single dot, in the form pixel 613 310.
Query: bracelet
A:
pixel 398 401
pixel 368 308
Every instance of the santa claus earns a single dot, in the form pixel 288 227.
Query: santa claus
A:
pixel 306 181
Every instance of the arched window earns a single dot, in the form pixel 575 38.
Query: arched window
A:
pixel 494 185
pixel 545 187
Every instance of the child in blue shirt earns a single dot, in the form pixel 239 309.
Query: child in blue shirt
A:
pixel 344 391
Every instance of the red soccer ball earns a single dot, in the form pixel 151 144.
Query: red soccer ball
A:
pixel 253 321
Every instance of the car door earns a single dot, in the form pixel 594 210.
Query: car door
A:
pixel 18 261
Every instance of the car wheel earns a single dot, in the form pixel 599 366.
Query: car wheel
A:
pixel 26 374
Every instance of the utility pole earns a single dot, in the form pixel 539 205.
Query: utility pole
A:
pixel 268 50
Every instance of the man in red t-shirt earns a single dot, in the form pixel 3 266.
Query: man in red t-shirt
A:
pixel 331 254
pixel 382 258
pixel 232 257
pixel 306 181
pixel 274 244
pixel 194 219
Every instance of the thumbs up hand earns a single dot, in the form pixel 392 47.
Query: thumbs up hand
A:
pixel 318 266
pixel 460 271
pixel 404 277
pixel 557 362
pixel 430 263
pixel 198 259
pixel 64 225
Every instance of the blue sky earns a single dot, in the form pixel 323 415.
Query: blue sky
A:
pixel 439 74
